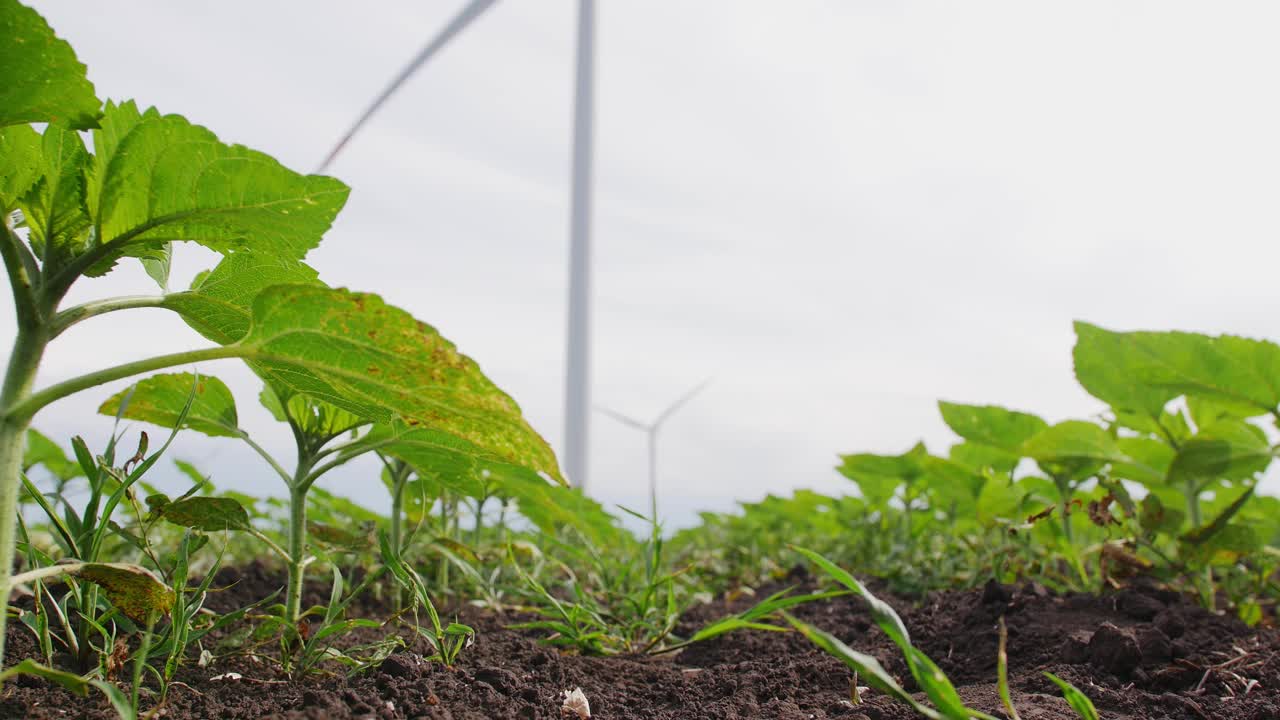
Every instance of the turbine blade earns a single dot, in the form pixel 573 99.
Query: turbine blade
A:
pixel 473 10
pixel 684 399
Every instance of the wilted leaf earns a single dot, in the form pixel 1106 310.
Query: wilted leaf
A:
pixel 134 590
pixel 211 514
pixel 353 351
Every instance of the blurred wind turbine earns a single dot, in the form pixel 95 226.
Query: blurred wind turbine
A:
pixel 651 432
pixel 578 350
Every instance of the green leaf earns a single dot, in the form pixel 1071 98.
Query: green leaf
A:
pixel 116 123
pixel 1230 369
pixel 219 304
pixel 1204 533
pixel 992 425
pixel 1154 516
pixel 936 684
pixel 43 451
pixel 21 161
pixel 551 507
pixel 978 457
pixel 211 514
pixel 867 667
pixel 1075 698
pixel 316 419
pixel 1150 460
pixel 1109 365
pixel 40 78
pixel 157 263
pixel 1229 449
pixel 55 205
pixel 950 482
pixel 171 180
pixel 161 399
pixel 445 458
pixel 68 681
pixel 879 476
pixel 1073 440
pixel 884 615
pixel 1206 411
pixel 355 352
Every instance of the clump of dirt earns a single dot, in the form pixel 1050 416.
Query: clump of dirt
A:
pixel 1141 653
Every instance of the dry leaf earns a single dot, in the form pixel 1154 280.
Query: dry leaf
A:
pixel 575 703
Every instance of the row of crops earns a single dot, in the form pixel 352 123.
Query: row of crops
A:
pixel 110 574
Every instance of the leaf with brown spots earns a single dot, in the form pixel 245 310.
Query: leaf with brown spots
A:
pixel 316 341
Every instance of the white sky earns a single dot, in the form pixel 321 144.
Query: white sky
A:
pixel 840 211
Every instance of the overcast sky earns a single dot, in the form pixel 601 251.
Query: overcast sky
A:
pixel 840 211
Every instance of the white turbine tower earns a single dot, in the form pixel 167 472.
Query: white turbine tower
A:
pixel 577 378
pixel 578 360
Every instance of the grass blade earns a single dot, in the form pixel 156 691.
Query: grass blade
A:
pixel 868 668
pixel 1002 673
pixel 1075 698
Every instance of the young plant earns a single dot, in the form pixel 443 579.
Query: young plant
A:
pixel 447 641
pixel 947 704
pixel 82 538
pixel 153 180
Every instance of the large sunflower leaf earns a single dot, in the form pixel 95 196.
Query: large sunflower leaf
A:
pixel 167 179
pixel 355 352
pixel 218 305
pixel 40 78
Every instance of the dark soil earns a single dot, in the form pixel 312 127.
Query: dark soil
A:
pixel 1138 653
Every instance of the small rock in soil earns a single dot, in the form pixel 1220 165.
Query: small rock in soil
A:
pixel 400 665
pixel 993 592
pixel 1114 650
pixel 1075 648
pixel 1171 623
pixel 504 681
pixel 1154 645
pixel 1139 606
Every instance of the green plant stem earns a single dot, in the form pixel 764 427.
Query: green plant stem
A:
pixel 24 295
pixel 1193 503
pixel 77 313
pixel 297 545
pixel 25 406
pixel 28 349
pixel 1064 507
pixel 475 534
pixel 262 452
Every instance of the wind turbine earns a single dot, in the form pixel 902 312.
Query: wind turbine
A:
pixel 651 432
pixel 578 351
